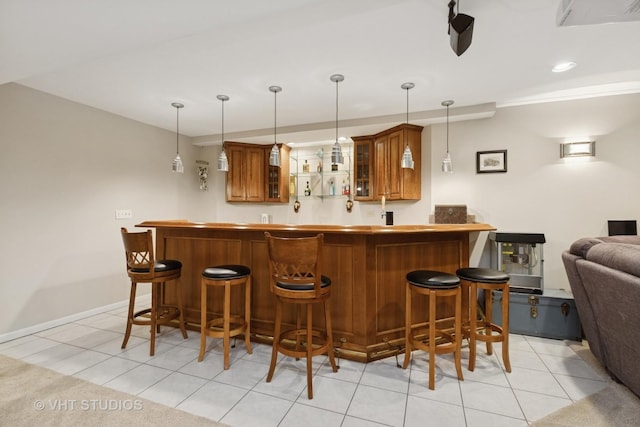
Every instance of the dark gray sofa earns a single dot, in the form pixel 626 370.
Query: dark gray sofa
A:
pixel 604 274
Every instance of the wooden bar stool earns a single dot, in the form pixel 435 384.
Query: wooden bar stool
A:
pixel 228 325
pixel 485 330
pixel 143 267
pixel 434 284
pixel 295 267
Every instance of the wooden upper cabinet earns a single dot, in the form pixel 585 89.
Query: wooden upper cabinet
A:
pixel 390 179
pixel 251 179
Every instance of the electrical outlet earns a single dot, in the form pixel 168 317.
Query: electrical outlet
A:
pixel 124 213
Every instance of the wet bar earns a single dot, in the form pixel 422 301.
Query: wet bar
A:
pixel 366 263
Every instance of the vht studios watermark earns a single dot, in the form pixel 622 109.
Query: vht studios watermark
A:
pixel 88 405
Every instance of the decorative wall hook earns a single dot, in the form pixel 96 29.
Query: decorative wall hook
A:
pixel 203 174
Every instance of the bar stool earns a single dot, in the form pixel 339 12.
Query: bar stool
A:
pixel 295 266
pixel 434 284
pixel 490 280
pixel 143 267
pixel 221 327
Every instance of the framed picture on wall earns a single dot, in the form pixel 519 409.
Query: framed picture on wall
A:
pixel 491 161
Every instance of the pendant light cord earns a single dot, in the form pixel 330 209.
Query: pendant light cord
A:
pixel 405 134
pixel 337 82
pixel 275 112
pixel 447 129
pixel 223 125
pixel 407 89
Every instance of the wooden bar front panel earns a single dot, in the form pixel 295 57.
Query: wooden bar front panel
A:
pixel 367 269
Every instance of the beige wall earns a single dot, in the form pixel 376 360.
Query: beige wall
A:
pixel 542 193
pixel 66 167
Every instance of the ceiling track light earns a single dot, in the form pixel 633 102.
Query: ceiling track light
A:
pixel 460 29
pixel 336 151
pixel 274 156
pixel 407 157
pixel 177 165
pixel 447 166
pixel 223 162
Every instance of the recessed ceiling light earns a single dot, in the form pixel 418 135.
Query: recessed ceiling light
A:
pixel 565 66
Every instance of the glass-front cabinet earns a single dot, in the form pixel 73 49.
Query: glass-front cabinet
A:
pixel 377 164
pixel 363 148
pixel 277 180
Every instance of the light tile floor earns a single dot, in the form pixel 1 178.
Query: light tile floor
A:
pixel 546 375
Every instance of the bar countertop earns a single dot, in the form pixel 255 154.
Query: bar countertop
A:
pixel 320 228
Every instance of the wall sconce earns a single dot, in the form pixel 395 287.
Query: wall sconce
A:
pixel 577 149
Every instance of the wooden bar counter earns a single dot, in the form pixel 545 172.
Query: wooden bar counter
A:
pixel 366 263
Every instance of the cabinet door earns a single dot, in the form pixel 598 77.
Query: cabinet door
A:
pixel 388 155
pixel 254 174
pixel 395 147
pixel 277 178
pixel 245 179
pixel 235 176
pixel 412 178
pixel 363 166
pixel 381 171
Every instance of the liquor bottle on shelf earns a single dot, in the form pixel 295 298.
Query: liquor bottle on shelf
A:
pixel 305 167
pixel 319 167
pixel 344 188
pixel 347 189
pixel 307 190
pixel 332 188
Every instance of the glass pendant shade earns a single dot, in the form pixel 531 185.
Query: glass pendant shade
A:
pixel 177 165
pixel 407 157
pixel 223 162
pixel 336 151
pixel 447 166
pixel 274 156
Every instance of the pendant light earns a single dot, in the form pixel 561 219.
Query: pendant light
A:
pixel 274 156
pixel 407 156
pixel 336 151
pixel 223 162
pixel 446 163
pixel 177 165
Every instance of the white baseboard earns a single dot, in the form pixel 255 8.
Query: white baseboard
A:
pixel 63 320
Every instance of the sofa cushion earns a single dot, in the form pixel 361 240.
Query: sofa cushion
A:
pixel 633 240
pixel 581 246
pixel 619 256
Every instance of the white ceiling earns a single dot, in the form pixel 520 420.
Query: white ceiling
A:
pixel 135 57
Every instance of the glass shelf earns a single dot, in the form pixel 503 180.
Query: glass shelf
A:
pixel 319 176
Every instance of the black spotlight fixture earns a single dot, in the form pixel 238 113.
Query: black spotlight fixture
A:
pixel 460 30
